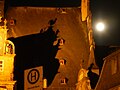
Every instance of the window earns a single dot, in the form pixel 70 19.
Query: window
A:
pixel 63 81
pixel 1 65
pixel 62 10
pixel 61 42
pixel 12 22
pixel 9 49
pixel 114 66
pixel 62 62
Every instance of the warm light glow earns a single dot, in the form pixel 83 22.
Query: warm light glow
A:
pixel 100 26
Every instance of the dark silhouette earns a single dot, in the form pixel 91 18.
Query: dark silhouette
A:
pixel 36 50
pixel 52 22
pixel 92 76
pixel 46 3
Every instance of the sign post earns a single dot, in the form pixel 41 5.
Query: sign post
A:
pixel 33 78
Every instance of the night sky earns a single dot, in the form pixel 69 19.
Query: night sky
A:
pixel 46 3
pixel 108 12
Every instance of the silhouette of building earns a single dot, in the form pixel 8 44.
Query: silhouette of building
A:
pixel 54 34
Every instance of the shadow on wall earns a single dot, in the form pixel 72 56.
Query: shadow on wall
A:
pixel 36 50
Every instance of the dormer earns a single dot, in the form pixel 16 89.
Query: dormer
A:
pixel 9 48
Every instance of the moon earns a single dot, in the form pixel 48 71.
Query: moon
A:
pixel 100 26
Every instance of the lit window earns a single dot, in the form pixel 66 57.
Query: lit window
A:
pixel 62 62
pixel 114 66
pixel 63 81
pixel 62 10
pixel 1 65
pixel 9 49
pixel 61 42
pixel 12 22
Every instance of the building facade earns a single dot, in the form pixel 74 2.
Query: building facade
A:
pixel 110 73
pixel 7 54
pixel 57 38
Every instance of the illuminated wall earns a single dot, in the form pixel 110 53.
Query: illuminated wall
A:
pixel 7 55
pixel 110 73
pixel 61 62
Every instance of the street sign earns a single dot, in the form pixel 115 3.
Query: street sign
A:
pixel 33 78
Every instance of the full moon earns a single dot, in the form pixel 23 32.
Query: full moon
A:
pixel 100 26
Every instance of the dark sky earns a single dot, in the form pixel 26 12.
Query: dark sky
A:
pixel 108 12
pixel 46 3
